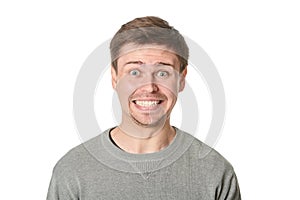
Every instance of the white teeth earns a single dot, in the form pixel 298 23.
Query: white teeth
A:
pixel 146 103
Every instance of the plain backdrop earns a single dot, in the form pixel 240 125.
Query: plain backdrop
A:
pixel 255 46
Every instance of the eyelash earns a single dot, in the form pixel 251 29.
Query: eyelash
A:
pixel 166 74
pixel 134 70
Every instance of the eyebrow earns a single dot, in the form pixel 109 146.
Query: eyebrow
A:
pixel 163 63
pixel 140 63
pixel 134 62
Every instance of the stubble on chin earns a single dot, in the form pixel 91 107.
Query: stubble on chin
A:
pixel 149 123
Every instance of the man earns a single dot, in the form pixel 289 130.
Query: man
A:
pixel 144 157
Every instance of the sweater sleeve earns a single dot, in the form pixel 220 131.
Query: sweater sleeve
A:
pixel 230 188
pixel 63 186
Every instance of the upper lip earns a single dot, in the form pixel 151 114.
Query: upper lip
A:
pixel 152 99
pixel 148 98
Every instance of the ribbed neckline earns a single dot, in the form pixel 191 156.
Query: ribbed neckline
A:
pixel 102 148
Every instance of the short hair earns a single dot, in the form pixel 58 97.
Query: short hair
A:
pixel 149 30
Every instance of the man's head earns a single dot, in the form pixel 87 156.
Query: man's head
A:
pixel 149 60
pixel 145 31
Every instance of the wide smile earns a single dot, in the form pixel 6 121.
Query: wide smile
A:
pixel 143 104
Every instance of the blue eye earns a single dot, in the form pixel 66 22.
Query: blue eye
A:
pixel 162 74
pixel 134 72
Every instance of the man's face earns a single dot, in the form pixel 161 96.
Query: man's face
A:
pixel 147 83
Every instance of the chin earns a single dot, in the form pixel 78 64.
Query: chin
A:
pixel 149 122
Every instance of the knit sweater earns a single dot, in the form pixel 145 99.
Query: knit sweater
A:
pixel 185 169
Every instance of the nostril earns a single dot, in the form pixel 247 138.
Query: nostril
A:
pixel 150 87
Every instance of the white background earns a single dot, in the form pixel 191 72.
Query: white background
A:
pixel 255 46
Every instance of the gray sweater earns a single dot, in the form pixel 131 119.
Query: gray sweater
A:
pixel 186 169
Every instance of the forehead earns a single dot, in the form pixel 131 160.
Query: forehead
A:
pixel 148 54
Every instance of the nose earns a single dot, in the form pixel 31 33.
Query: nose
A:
pixel 149 85
pixel 149 88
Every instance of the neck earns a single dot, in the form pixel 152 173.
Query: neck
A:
pixel 141 145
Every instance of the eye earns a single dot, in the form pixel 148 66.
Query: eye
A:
pixel 162 74
pixel 134 72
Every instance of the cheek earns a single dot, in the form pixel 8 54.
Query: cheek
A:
pixel 124 90
pixel 171 96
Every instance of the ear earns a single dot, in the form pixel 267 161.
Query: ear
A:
pixel 113 77
pixel 182 79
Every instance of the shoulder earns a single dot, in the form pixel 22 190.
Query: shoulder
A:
pixel 75 158
pixel 200 154
pixel 211 170
pixel 69 171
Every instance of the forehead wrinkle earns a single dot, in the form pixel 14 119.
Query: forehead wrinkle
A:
pixel 131 47
pixel 149 59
